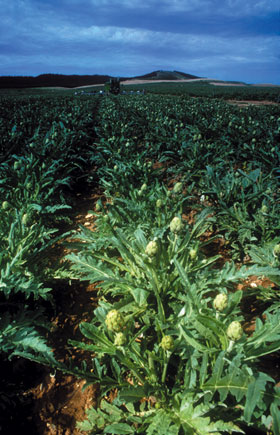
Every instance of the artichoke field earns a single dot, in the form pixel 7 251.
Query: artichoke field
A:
pixel 179 176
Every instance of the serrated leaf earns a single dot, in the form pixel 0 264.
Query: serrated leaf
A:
pixel 87 266
pixel 160 423
pixel 119 429
pixel 100 341
pixel 191 340
pixel 140 295
pixel 194 420
pixel 85 425
pixel 254 395
pixel 132 394
pixel 275 413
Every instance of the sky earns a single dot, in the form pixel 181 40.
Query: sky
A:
pixel 222 39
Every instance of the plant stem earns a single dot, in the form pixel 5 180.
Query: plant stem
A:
pixel 164 372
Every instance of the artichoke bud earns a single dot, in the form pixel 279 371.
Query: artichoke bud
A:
pixel 97 206
pixel 5 205
pixel 167 342
pixel 120 339
pixel 25 219
pixel 193 254
pixel 151 248
pixel 176 225
pixel 159 203
pixel 115 321
pixel 178 187
pixel 17 165
pixel 234 331
pixel 143 187
pixel 276 250
pixel 220 302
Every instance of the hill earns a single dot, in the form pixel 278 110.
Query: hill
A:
pixel 73 81
pixel 50 80
pixel 166 75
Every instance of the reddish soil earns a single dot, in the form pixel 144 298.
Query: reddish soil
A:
pixel 59 400
pixel 60 403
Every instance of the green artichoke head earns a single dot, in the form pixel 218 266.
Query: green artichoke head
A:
pixel 220 302
pixel 120 339
pixel 167 342
pixel 115 321
pixel 176 225
pixel 193 253
pixel 159 203
pixel 178 187
pixel 276 250
pixel 235 331
pixel 5 205
pixel 151 248
pixel 264 209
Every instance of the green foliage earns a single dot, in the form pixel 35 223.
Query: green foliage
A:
pixel 178 176
pixel 33 186
pixel 169 294
pixel 245 207
pixel 109 418
pixel 18 334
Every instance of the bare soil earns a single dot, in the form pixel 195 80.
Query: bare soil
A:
pixel 226 84
pixel 143 82
pixel 60 400
pixel 246 103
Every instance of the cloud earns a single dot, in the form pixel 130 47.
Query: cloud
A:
pixel 56 36
pixel 193 42
pixel 130 4
pixel 249 7
pixel 226 7
pixel 124 36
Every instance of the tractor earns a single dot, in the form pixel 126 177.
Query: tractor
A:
pixel 113 86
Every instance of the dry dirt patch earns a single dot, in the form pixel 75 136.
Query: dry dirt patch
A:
pixel 246 103
pixel 59 400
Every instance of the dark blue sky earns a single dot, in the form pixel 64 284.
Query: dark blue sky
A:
pixel 227 40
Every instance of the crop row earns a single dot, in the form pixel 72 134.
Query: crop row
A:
pixel 179 177
pixel 204 89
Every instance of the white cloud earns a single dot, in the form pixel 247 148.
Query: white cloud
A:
pixel 225 7
pixel 252 6
pixel 248 46
pixel 241 8
pixel 116 34
pixel 130 4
